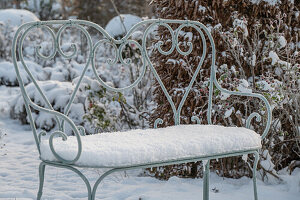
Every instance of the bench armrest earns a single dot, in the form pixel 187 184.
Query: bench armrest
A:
pixel 77 131
pixel 254 114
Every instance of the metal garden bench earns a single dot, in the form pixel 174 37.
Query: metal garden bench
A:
pixel 160 146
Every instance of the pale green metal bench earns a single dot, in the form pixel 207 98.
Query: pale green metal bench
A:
pixel 62 118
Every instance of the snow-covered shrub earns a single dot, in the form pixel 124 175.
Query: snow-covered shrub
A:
pixel 84 109
pixel 256 52
pixel 8 75
pixel 118 26
pixel 93 107
pixel 16 17
pixel 102 11
pixel 278 80
pixel 10 20
pixel 98 115
pixel 58 95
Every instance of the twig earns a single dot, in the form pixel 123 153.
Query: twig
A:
pixel 118 13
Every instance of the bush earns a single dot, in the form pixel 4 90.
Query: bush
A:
pixel 256 52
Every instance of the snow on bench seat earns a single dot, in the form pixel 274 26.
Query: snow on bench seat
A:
pixel 119 149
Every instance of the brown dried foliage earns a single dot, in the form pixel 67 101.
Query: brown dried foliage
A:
pixel 177 76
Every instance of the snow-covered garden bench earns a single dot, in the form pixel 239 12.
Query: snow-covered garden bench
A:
pixel 133 149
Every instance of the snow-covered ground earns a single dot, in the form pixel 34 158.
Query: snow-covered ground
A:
pixel 19 175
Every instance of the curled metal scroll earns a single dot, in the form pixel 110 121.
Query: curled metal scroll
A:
pixel 73 46
pixel 81 130
pixel 251 116
pixel 42 133
pixel 119 57
pixel 158 121
pixel 189 44
pixel 195 119
pixel 38 47
pixel 160 43
pixel 64 138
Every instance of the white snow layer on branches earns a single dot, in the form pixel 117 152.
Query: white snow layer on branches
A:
pixel 242 25
pixel 57 93
pixel 8 74
pixel 276 60
pixel 115 27
pixel 16 17
pixel 282 41
pixel 244 86
pixel 271 2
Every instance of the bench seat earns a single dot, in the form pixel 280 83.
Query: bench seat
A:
pixel 135 147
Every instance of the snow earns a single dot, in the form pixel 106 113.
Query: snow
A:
pixel 245 157
pixel 282 41
pixel 274 57
pixel 242 25
pixel 276 60
pixel 270 2
pixel 267 163
pixel 153 145
pixel 201 8
pixel 15 17
pixel 58 94
pixel 19 175
pixel 224 96
pixel 115 28
pixel 264 85
pixel 253 60
pixel 244 86
pixel 228 112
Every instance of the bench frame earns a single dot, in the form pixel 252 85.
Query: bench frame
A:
pixel 62 118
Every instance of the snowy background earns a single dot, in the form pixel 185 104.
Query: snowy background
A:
pixel 18 154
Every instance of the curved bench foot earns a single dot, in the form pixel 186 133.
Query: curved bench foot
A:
pixel 42 177
pixel 256 155
pixel 99 181
pixel 85 180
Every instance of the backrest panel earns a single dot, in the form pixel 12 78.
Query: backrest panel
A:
pixel 56 28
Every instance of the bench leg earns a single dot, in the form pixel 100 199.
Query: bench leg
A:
pixel 42 171
pixel 41 175
pixel 206 181
pixel 256 155
pixel 99 181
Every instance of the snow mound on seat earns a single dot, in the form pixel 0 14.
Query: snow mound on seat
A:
pixel 135 147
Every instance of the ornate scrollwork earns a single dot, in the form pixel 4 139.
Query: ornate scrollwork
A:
pixel 119 57
pixel 42 133
pixel 73 45
pixel 175 44
pixel 81 130
pixel 158 121
pixel 251 116
pixel 115 48
pixel 64 138
pixel 189 44
pixel 54 44
pixel 160 43
pixel 195 119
